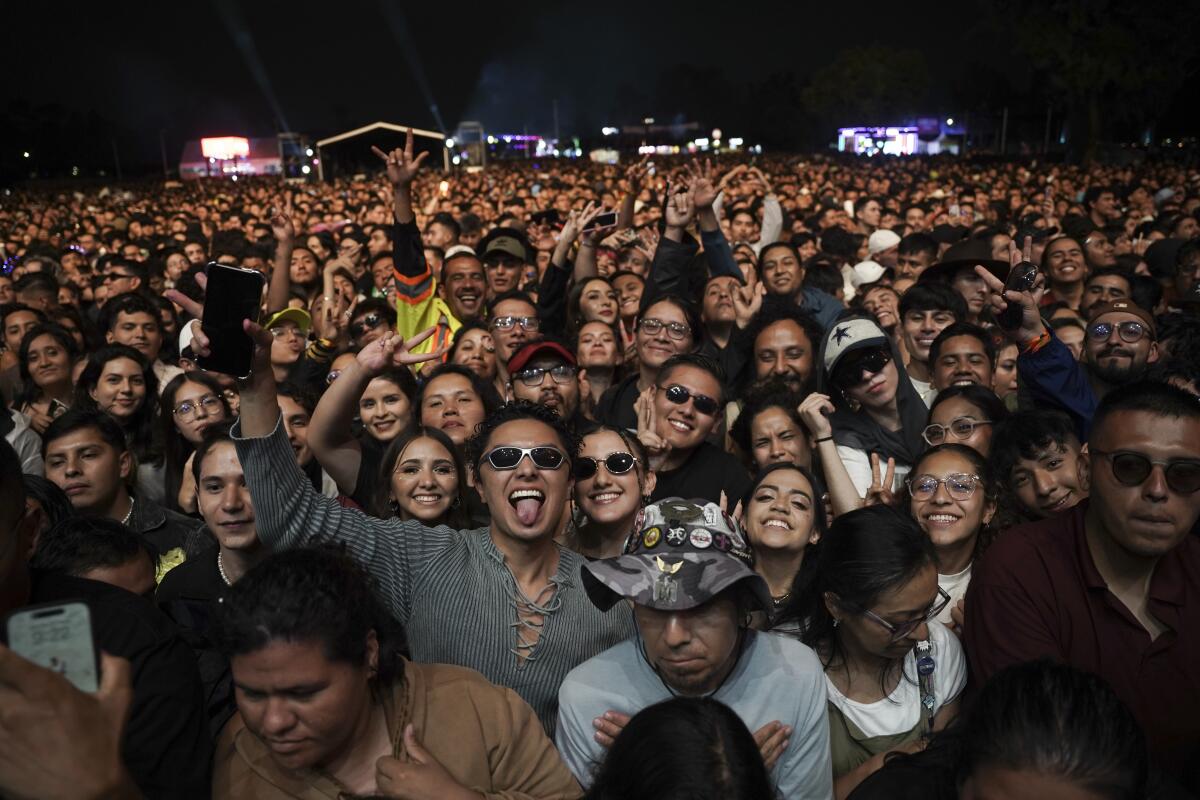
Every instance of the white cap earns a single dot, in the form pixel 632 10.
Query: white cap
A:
pixel 458 249
pixel 881 240
pixel 866 272
pixel 185 336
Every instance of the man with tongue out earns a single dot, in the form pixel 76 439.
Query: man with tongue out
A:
pixel 503 600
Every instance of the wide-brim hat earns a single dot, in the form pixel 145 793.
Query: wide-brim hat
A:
pixel 967 253
pixel 681 554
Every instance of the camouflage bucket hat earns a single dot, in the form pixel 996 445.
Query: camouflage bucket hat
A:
pixel 681 554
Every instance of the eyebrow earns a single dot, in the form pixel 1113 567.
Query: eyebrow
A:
pixel 775 489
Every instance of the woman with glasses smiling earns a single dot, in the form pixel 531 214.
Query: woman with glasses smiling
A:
pixel 613 482
pixel 952 496
pixel 894 674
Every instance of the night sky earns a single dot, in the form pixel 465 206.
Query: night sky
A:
pixel 215 67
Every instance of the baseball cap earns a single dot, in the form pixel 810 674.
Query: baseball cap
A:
pixel 296 315
pixel 865 272
pixel 458 250
pixel 1124 307
pixel 855 333
pixel 681 554
pixel 881 240
pixel 508 241
pixel 538 349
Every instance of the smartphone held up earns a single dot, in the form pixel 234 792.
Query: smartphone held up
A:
pixel 233 294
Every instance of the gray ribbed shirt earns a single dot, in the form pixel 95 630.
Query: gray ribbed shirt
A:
pixel 450 589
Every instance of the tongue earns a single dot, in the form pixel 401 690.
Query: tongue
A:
pixel 528 509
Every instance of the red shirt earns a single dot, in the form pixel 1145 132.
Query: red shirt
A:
pixel 1037 593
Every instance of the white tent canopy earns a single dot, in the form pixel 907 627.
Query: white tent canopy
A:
pixel 387 126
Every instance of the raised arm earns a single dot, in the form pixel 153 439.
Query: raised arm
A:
pixel 843 495
pixel 634 175
pixel 285 242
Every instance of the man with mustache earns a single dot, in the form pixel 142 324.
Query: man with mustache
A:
pixel 1121 344
pixel 422 301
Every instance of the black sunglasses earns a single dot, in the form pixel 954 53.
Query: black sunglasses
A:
pixel 703 403
pixel 368 323
pixel 509 457
pixel 850 372
pixel 615 463
pixel 1132 469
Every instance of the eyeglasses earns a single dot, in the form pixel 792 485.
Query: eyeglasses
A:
pixel 1129 331
pixel 850 373
pixel 284 331
pixel 959 428
pixel 701 402
pixel 1132 469
pixel 615 463
pixel 959 485
pixel 368 323
pixel 507 323
pixel 534 376
pixel 898 632
pixel 114 276
pixel 187 409
pixel 675 330
pixel 509 457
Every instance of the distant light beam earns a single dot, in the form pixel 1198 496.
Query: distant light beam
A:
pixel 396 21
pixel 235 23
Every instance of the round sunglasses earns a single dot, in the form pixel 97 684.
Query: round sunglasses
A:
pixel 506 457
pixel 1129 331
pixel 1132 469
pixel 616 464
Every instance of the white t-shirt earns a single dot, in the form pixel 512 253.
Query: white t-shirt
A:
pixel 956 586
pixel 925 389
pixel 901 711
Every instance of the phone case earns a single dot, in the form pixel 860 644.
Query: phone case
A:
pixel 57 636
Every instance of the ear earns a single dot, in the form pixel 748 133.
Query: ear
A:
pixel 372 652
pixel 1083 469
pixel 831 605
pixel 92 393
pixel 989 511
pixel 650 482
pixel 108 337
pixel 125 462
pixel 1153 354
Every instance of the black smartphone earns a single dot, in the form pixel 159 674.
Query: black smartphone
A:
pixel 233 294
pixel 605 220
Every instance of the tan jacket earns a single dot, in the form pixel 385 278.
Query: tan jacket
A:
pixel 485 736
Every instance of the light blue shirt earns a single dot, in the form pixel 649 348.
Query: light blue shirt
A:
pixel 776 678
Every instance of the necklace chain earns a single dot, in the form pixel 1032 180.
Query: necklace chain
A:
pixel 221 569
pixel 129 514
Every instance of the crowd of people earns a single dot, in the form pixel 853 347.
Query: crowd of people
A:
pixel 796 477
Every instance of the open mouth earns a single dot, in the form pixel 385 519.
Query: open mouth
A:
pixel 528 504
pixel 427 499
pixel 1057 505
pixel 941 519
pixel 604 498
pixel 777 523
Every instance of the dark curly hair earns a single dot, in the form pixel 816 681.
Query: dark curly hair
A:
pixel 772 312
pixel 487 392
pixel 477 445
pixel 771 393
pixel 319 595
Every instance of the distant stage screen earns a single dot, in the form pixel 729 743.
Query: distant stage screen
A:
pixel 224 148
pixel 869 141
